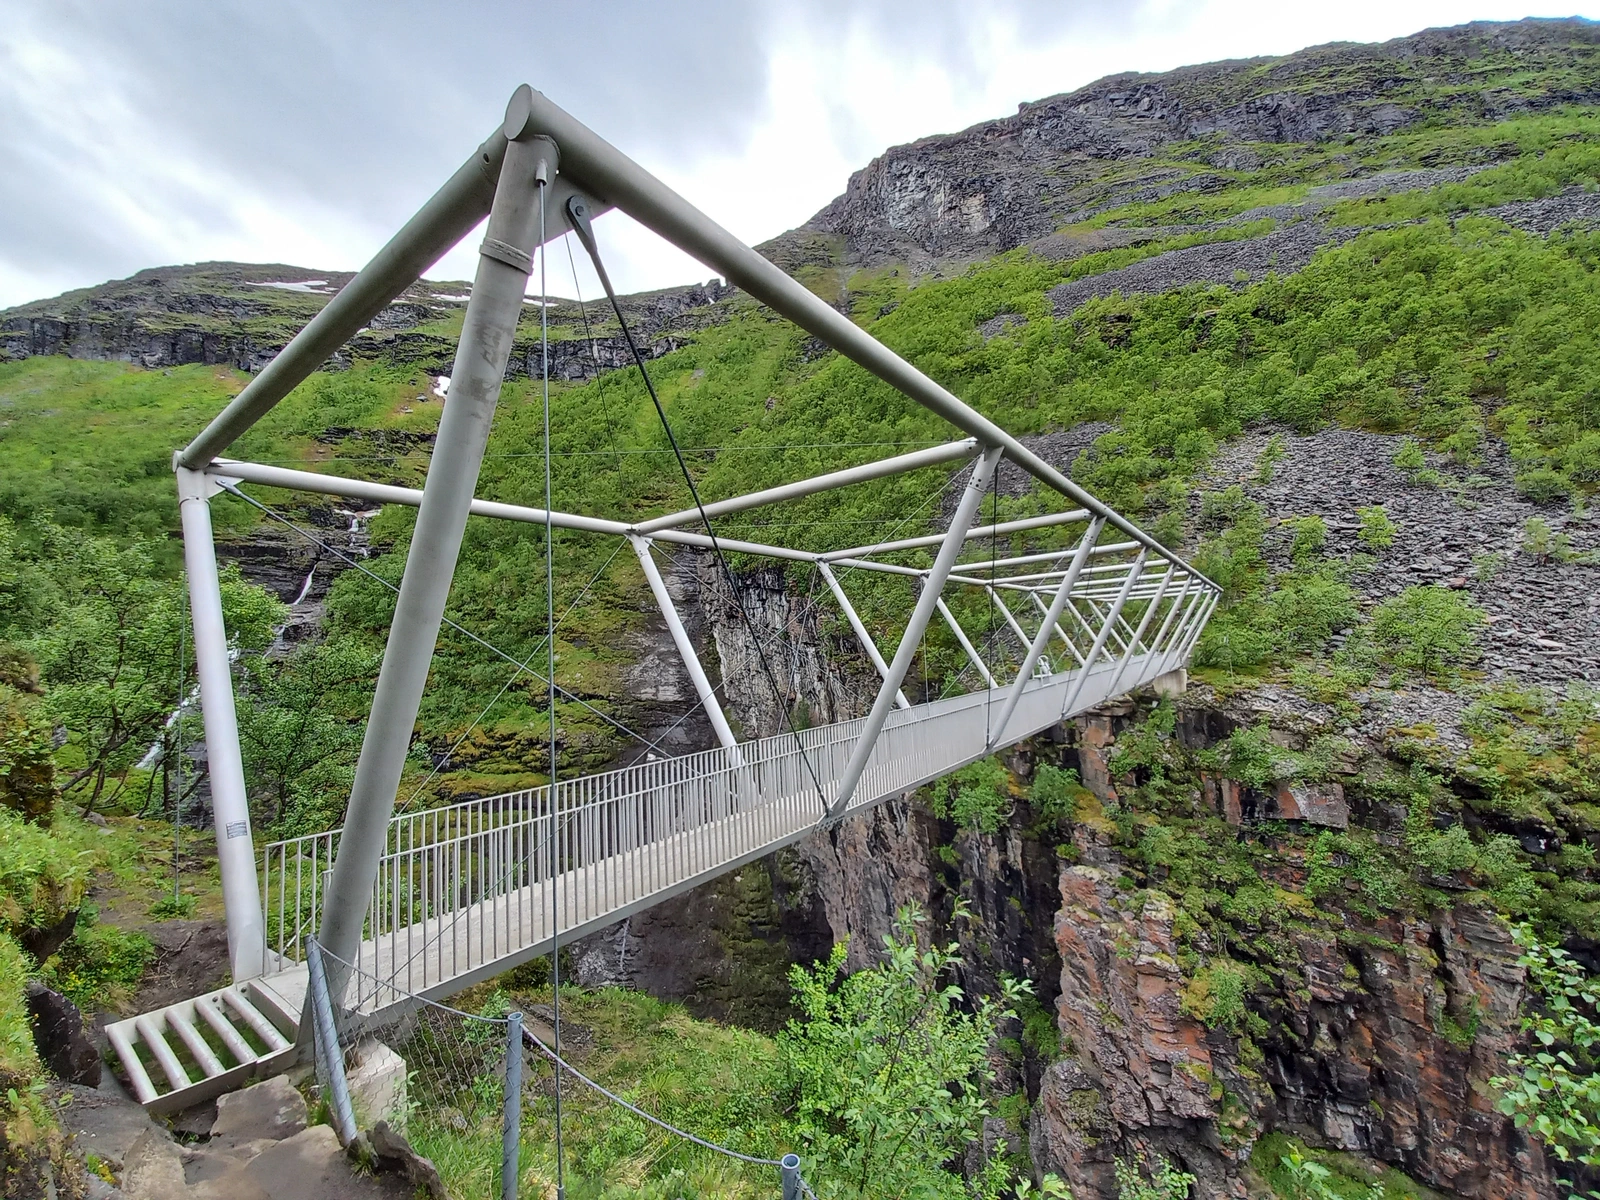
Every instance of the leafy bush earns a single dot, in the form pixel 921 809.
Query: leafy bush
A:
pixel 1216 995
pixel 1553 1090
pixel 1307 608
pixel 871 1063
pixel 1054 793
pixel 1310 534
pixel 1542 485
pixel 1160 1181
pixel 18 1061
pixel 1248 755
pixel 1544 543
pixel 975 797
pixel 1409 459
pixel 99 964
pixel 1426 629
pixel 1377 531
pixel 27 755
pixel 44 872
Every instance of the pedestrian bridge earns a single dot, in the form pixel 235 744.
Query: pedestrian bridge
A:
pixel 426 903
pixel 467 891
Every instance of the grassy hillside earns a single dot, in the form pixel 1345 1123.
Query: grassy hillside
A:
pixel 1435 283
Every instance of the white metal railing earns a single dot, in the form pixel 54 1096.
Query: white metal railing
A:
pixel 467 890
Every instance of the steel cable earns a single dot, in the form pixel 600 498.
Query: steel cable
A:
pixel 586 236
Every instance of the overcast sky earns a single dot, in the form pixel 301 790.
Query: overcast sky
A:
pixel 137 133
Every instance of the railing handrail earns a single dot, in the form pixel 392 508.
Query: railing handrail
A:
pixel 469 888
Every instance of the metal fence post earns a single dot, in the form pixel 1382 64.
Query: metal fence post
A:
pixel 329 1056
pixel 511 1142
pixel 789 1172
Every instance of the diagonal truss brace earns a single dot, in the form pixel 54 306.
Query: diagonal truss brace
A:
pixel 932 585
pixel 704 692
pixel 860 630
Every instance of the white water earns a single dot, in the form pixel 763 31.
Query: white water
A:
pixel 153 755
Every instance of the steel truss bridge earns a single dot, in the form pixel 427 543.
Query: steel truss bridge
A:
pixel 429 902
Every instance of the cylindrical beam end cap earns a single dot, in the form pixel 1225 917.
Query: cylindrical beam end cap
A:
pixel 519 113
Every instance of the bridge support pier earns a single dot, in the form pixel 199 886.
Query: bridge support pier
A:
pixel 504 264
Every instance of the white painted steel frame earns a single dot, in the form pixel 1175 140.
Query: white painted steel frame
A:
pixel 542 150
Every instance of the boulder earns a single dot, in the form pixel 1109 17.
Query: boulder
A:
pixel 59 1035
pixel 44 941
pixel 395 1153
pixel 271 1109
pixel 312 1166
pixel 153 1169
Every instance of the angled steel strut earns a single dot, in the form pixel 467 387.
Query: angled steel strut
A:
pixel 541 175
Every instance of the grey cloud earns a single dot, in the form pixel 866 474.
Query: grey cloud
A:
pixel 361 107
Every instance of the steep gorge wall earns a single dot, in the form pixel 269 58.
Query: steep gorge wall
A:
pixel 1372 1032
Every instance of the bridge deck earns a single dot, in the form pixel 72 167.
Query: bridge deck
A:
pixel 471 890
pixel 620 842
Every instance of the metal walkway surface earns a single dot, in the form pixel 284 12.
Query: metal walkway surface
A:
pixel 469 891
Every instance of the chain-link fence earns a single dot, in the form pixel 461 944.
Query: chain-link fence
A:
pixel 453 1085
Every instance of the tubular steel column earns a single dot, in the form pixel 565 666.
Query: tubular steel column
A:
pixel 1144 623
pixel 504 264
pixel 861 633
pixel 1042 638
pixel 961 636
pixel 236 853
pixel 1105 630
pixel 932 585
pixel 703 690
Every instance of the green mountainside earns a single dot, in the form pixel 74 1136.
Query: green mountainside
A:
pixel 1327 324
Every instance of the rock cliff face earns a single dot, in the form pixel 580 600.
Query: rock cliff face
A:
pixel 1363 1049
pixel 242 314
pixel 1009 182
pixel 1368 1032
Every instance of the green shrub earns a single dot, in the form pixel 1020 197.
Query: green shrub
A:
pixel 44 872
pixel 871 1064
pixel 1486 565
pixel 1247 755
pixel 1544 543
pixel 27 755
pixel 1377 531
pixel 1553 1090
pixel 1221 509
pixel 1409 459
pixel 1306 609
pixel 99 964
pixel 1216 995
pixel 1310 535
pixel 18 1062
pixel 975 797
pixel 1054 794
pixel 1160 1180
pixel 1542 485
pixel 1426 629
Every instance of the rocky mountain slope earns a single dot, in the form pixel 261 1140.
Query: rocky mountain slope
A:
pixel 1253 303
